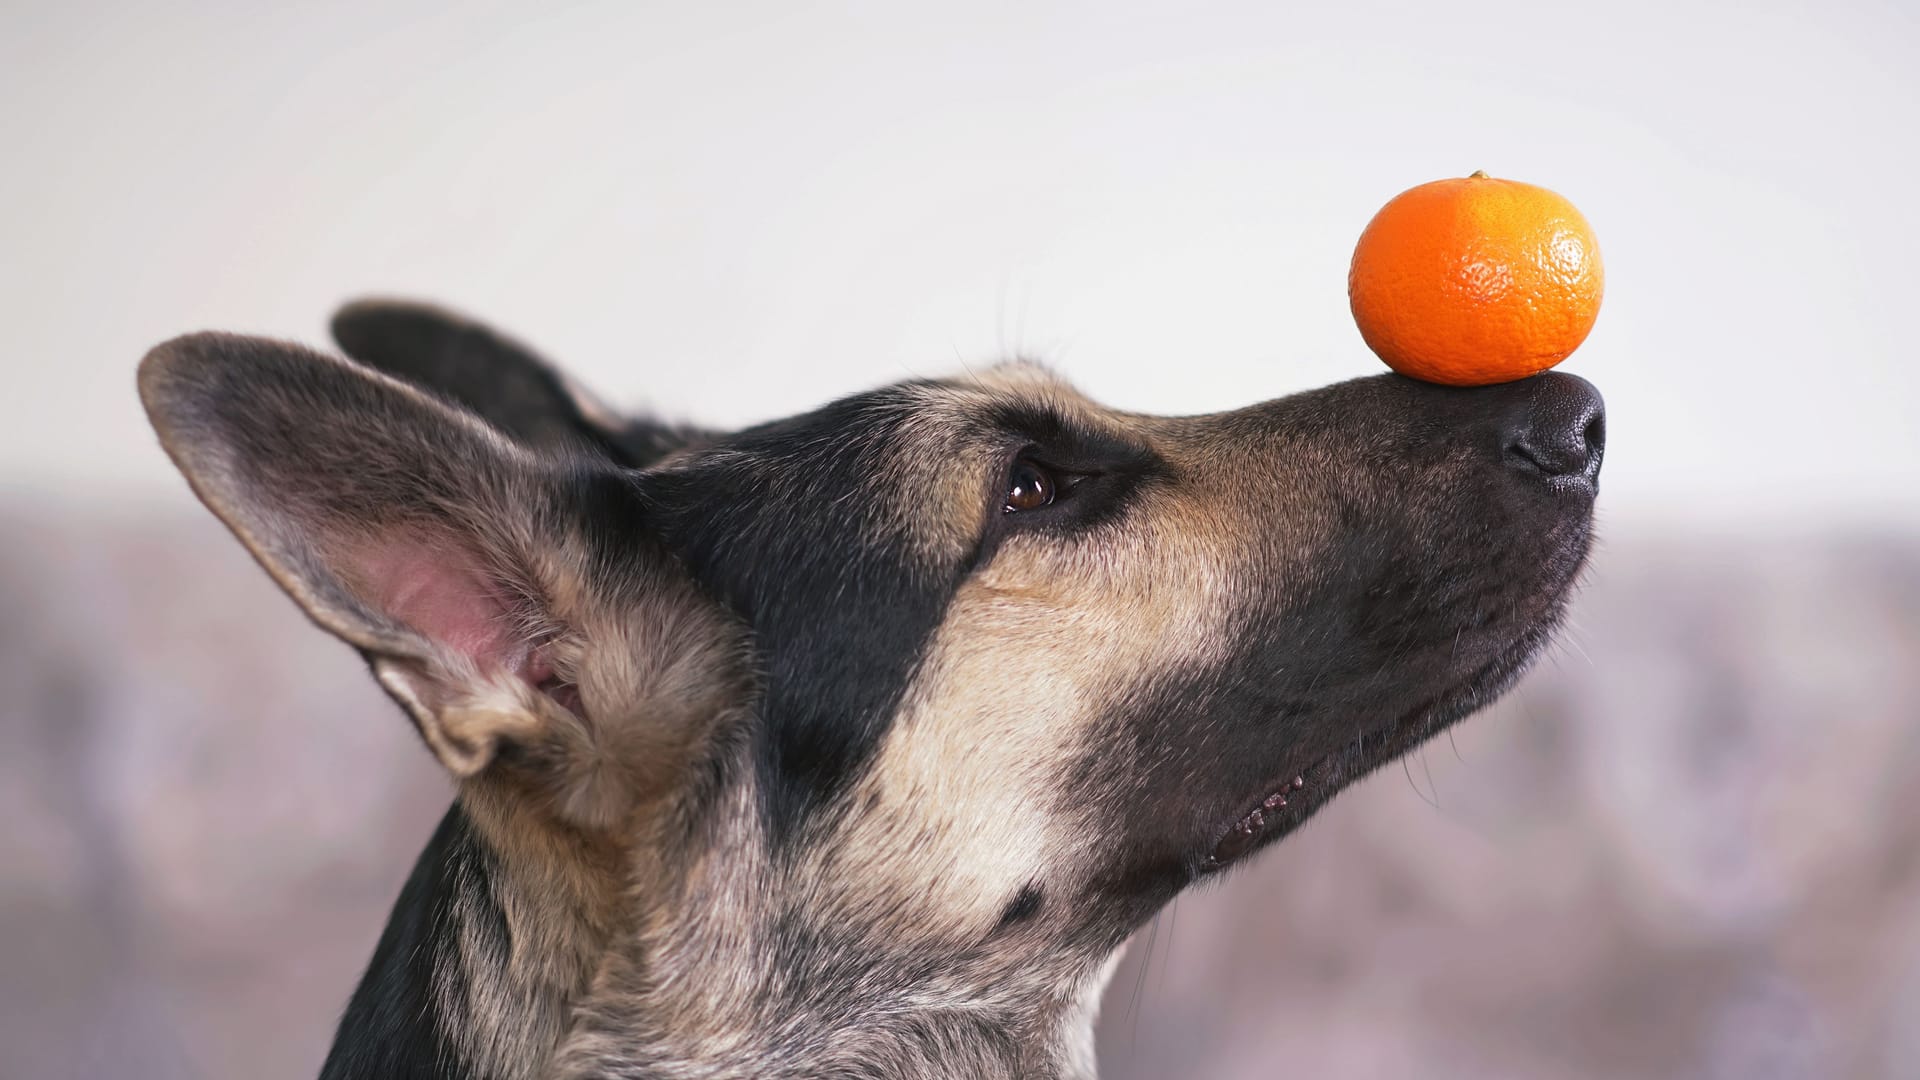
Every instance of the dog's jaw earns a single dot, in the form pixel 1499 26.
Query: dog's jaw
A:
pixel 1291 802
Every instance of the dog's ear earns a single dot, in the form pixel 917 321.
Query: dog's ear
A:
pixel 499 379
pixel 511 601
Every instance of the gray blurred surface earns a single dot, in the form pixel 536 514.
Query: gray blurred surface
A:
pixel 1688 846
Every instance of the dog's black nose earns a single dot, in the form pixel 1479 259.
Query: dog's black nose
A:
pixel 1561 431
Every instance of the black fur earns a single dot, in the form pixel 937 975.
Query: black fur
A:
pixel 763 524
pixel 498 378
pixel 393 1027
pixel 1431 588
pixel 1025 905
pixel 1364 564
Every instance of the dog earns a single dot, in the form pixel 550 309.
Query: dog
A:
pixel 856 744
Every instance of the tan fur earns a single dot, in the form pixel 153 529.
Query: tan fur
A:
pixel 1033 649
pixel 961 806
pixel 948 896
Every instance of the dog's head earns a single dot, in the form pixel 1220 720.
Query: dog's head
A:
pixel 954 681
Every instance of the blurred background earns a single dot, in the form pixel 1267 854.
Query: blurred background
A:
pixel 1688 846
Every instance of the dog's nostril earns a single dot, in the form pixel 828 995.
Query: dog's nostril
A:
pixel 1560 429
pixel 1523 455
pixel 1596 432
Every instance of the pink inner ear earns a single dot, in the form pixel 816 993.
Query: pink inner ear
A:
pixel 442 591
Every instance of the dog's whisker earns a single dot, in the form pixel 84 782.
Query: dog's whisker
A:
pixel 1140 982
pixel 1408 770
pixel 1166 959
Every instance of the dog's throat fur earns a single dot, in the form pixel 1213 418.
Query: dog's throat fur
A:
pixel 459 989
pixel 397 1023
pixel 463 983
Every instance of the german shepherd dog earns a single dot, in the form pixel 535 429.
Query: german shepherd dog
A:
pixel 856 744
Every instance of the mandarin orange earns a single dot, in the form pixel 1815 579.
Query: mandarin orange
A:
pixel 1475 280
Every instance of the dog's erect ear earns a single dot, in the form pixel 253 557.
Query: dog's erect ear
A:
pixel 498 378
pixel 504 597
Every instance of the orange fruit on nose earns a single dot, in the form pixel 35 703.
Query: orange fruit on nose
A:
pixel 1476 280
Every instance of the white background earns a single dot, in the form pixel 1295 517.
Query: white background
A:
pixel 736 211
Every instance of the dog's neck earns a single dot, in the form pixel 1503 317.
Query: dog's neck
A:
pixel 491 941
pixel 750 971
pixel 519 965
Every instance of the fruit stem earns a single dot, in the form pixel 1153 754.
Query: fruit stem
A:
pixel 1479 174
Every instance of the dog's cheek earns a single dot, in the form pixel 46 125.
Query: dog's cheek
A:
pixel 970 801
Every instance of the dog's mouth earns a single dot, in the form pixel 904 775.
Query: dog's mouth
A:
pixel 1302 791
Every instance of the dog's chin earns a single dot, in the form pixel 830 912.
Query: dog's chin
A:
pixel 1301 791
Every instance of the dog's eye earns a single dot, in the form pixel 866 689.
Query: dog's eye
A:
pixel 1029 487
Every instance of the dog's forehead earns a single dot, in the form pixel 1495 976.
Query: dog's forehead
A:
pixel 976 400
pixel 1027 379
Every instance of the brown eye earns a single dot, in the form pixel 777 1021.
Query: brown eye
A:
pixel 1029 488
